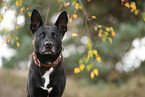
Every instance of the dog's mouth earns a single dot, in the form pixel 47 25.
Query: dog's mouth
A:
pixel 47 51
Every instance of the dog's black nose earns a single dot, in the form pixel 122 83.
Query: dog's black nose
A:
pixel 48 44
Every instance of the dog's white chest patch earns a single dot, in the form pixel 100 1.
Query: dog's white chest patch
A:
pixel 46 77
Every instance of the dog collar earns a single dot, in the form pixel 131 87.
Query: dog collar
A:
pixel 51 64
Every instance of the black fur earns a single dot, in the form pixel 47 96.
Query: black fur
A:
pixel 47 46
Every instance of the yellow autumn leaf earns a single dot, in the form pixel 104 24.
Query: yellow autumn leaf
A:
pixel 133 5
pixel 70 20
pixel 82 66
pixel 15 14
pixel 110 40
pixel 136 12
pixel 93 17
pixel 2 17
pixel 17 27
pixel 7 39
pixel 127 5
pixel 113 33
pixel 95 52
pixel 92 75
pixel 3 42
pixel 76 70
pixel 4 30
pixel 60 7
pixel 20 3
pixel 108 29
pixel 6 4
pixel 33 41
pixel 95 72
pixel 29 13
pixel 89 43
pixel 100 26
pixel 98 59
pixel 18 44
pixel 75 16
pixel 74 35
pixel 17 3
pixel 66 4
pixel 77 5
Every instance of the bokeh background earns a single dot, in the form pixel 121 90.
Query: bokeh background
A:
pixel 122 69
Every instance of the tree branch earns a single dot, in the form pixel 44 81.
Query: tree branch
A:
pixel 47 13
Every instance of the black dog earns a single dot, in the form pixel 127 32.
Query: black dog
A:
pixel 47 75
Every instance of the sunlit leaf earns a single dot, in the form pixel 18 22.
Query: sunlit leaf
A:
pixel 17 27
pixel 127 5
pixel 66 4
pixel 4 30
pixel 108 29
pixel 132 10
pixel 76 70
pixel 58 1
pixel 80 7
pixel 95 72
pixel 98 59
pixel 18 44
pixel 16 37
pixel 89 43
pixel 95 52
pixel 133 5
pixel 12 41
pixel 143 15
pixel 110 40
pixel 136 12
pixel 88 0
pixel 6 4
pixel 75 16
pixel 7 39
pixel 77 5
pixel 3 1
pixel 20 3
pixel 2 18
pixel 82 66
pixel 17 3
pixel 113 33
pixel 80 61
pixel 70 20
pixel 29 13
pixel 60 7
pixel 100 26
pixel 92 75
pixel 96 28
pixel 93 17
pixel 11 35
pixel 85 59
pixel 15 14
pixel 3 42
pixel 74 35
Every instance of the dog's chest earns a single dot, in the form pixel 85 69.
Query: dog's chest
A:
pixel 46 77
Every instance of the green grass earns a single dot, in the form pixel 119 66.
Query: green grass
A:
pixel 13 84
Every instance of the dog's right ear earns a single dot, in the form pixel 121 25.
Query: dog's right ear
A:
pixel 36 21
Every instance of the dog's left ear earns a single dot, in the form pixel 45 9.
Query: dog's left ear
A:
pixel 62 21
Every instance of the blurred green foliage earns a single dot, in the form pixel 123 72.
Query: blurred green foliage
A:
pixel 109 13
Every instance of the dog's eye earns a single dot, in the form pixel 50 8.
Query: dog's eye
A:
pixel 54 35
pixel 41 35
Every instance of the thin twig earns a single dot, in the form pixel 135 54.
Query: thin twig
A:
pixel 47 13
pixel 84 11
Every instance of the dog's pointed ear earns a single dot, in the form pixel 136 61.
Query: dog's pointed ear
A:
pixel 62 21
pixel 36 21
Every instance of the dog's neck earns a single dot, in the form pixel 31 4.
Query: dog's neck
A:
pixel 43 58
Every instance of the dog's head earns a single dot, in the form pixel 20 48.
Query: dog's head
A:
pixel 48 39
